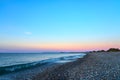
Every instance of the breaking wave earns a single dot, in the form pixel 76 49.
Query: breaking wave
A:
pixel 13 68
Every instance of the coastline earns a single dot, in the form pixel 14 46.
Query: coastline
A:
pixel 27 74
pixel 28 71
pixel 94 66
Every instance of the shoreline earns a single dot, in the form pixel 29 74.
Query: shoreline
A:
pixel 58 70
pixel 5 69
pixel 27 73
pixel 94 66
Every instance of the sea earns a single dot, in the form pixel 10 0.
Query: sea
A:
pixel 10 62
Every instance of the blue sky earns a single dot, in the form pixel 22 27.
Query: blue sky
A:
pixel 59 25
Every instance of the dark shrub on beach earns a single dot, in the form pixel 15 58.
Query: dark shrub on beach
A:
pixel 101 51
pixel 113 50
pixel 97 51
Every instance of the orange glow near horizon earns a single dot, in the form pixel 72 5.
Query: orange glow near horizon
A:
pixel 66 46
pixel 60 46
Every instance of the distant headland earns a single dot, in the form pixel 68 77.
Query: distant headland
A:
pixel 109 50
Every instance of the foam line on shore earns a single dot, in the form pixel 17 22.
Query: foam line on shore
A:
pixel 13 68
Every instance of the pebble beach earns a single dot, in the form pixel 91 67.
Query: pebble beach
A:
pixel 94 66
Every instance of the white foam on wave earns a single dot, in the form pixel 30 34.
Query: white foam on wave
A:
pixel 63 59
pixel 69 58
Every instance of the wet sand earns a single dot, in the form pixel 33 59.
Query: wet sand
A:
pixel 94 66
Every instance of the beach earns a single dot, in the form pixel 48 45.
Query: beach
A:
pixel 59 39
pixel 25 66
pixel 94 66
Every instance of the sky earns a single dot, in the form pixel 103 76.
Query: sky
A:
pixel 59 25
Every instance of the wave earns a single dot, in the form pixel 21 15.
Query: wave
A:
pixel 13 68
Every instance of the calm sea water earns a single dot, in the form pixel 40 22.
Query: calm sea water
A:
pixel 9 59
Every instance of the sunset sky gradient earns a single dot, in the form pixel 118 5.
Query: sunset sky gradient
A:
pixel 59 25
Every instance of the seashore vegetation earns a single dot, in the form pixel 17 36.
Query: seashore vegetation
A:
pixel 109 50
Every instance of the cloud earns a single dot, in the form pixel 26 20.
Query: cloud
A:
pixel 28 33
